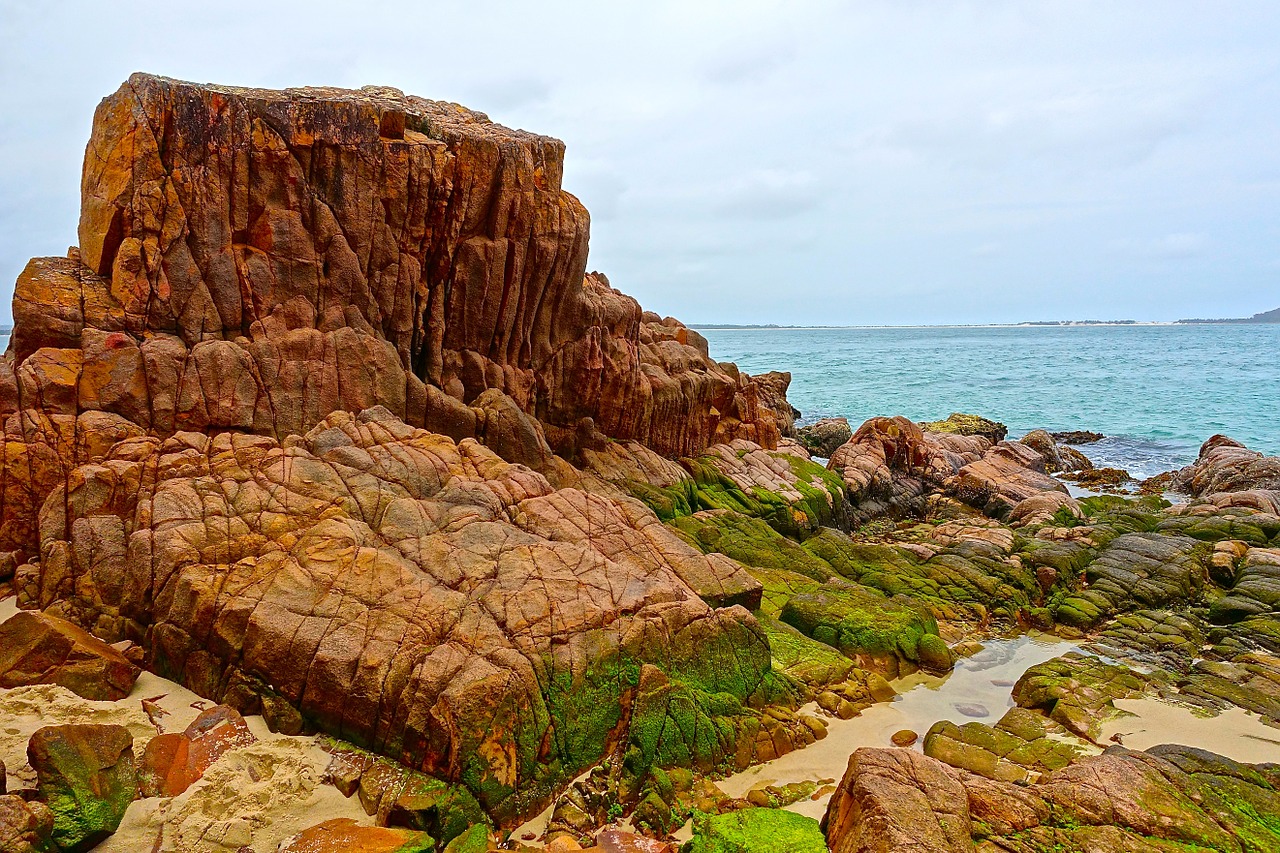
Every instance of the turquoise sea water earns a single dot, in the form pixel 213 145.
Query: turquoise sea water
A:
pixel 1156 391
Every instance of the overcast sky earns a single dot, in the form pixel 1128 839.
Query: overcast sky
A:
pixel 804 162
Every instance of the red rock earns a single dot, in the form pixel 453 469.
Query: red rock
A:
pixel 344 835
pixel 38 648
pixel 172 762
pixel 898 800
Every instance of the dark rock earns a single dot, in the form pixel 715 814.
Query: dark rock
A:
pixel 825 437
pixel 1077 436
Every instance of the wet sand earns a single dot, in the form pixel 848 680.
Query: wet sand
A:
pixel 1235 732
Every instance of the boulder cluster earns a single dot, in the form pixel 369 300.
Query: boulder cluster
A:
pixel 326 421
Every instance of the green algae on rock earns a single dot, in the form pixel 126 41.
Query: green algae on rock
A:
pixel 756 830
pixel 87 778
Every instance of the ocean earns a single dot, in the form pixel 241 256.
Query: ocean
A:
pixel 1157 392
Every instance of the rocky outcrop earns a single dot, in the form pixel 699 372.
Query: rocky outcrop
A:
pixel 1057 458
pixel 253 260
pixel 1225 465
pixel 1169 797
pixel 403 591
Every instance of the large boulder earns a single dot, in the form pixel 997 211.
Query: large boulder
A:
pixel 898 800
pixel 38 648
pixel 415 595
pixel 86 776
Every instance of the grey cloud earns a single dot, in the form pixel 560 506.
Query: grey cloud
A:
pixel 815 161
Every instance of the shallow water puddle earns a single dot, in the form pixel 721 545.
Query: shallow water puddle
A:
pixel 980 685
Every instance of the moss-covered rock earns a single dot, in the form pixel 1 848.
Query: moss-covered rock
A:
pixel 750 541
pixel 86 776
pixel 883 634
pixel 1019 748
pixel 958 423
pixel 1078 691
pixel 756 830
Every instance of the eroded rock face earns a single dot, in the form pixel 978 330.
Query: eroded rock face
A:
pixel 253 260
pixel 415 595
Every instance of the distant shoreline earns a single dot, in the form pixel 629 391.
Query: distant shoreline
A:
pixel 772 327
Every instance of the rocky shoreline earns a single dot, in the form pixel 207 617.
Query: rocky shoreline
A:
pixel 345 510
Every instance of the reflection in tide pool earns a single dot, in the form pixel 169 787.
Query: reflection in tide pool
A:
pixel 979 683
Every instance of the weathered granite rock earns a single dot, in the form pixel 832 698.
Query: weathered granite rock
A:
pixel 897 800
pixel 824 437
pixel 1226 465
pixel 85 775
pixel 1077 691
pixel 25 827
pixel 1168 798
pixel 1006 475
pixel 1019 748
pixel 415 595
pixel 1138 570
pixel 890 466
pixel 38 648
pixel 253 260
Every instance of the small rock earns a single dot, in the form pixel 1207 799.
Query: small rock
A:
pixel 972 709
pixel 172 762
pixel 613 840
pixel 24 827
pixel 905 737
